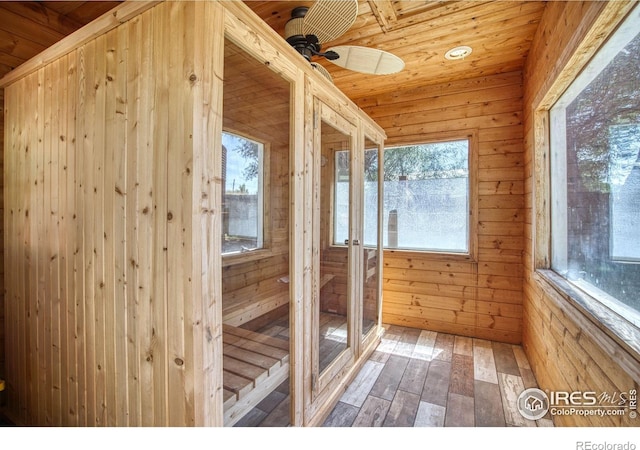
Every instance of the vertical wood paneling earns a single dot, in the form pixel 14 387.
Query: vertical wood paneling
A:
pixel 120 189
pixel 178 180
pixel 135 288
pixel 207 187
pixel 482 297
pixel 2 231
pixel 40 201
pixel 86 113
pixel 78 187
pixel 70 385
pixel 8 318
pixel 558 339
pixel 142 153
pixel 112 292
pixel 31 120
pixel 160 130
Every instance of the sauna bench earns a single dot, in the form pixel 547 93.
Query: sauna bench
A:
pixel 254 364
pixel 250 302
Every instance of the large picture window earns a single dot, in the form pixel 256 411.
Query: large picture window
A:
pixel 595 175
pixel 242 194
pixel 426 197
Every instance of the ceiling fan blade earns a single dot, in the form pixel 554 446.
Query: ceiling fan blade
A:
pixel 329 19
pixel 367 60
pixel 324 72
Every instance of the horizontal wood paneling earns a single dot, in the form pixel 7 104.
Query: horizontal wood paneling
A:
pixel 565 349
pixel 481 298
pixel 108 190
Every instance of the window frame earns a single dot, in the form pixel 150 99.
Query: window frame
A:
pixel 265 251
pixel 470 135
pixel 579 304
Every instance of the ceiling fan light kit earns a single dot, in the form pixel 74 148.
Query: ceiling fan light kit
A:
pixel 326 20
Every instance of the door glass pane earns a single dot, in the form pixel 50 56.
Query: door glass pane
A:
pixel 255 228
pixel 370 274
pixel 334 254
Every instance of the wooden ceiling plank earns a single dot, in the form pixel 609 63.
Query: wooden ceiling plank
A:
pixel 433 11
pixel 10 60
pixel 40 13
pixel 62 7
pixel 101 25
pixel 276 14
pixel 384 12
pixel 469 22
pixel 3 70
pixel 411 81
pixel 364 28
pixel 88 11
pixel 18 47
pixel 28 29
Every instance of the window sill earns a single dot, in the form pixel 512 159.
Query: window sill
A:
pixel 613 325
pixel 431 255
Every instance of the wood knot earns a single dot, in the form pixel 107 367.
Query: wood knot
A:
pixel 193 77
pixel 178 361
pixel 169 215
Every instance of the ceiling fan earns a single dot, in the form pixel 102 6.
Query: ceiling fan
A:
pixel 326 20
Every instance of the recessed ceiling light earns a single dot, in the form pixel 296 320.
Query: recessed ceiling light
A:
pixel 460 52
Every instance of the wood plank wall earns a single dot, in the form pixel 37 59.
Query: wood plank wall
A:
pixel 2 339
pixel 108 190
pixel 480 298
pixel 565 350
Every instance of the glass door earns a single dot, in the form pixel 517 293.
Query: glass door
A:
pixel 335 249
pixel 371 266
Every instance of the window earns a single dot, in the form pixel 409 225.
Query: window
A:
pixel 426 197
pixel 341 197
pixel 242 194
pixel 595 175
pixel 341 216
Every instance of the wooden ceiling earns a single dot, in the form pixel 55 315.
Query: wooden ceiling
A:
pixel 420 32
pixel 27 28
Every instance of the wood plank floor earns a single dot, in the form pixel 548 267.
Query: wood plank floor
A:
pixel 419 378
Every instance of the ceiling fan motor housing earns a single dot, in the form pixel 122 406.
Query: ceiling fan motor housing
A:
pixel 307 46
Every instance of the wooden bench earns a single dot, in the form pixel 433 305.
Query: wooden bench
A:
pixel 254 365
pixel 248 303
